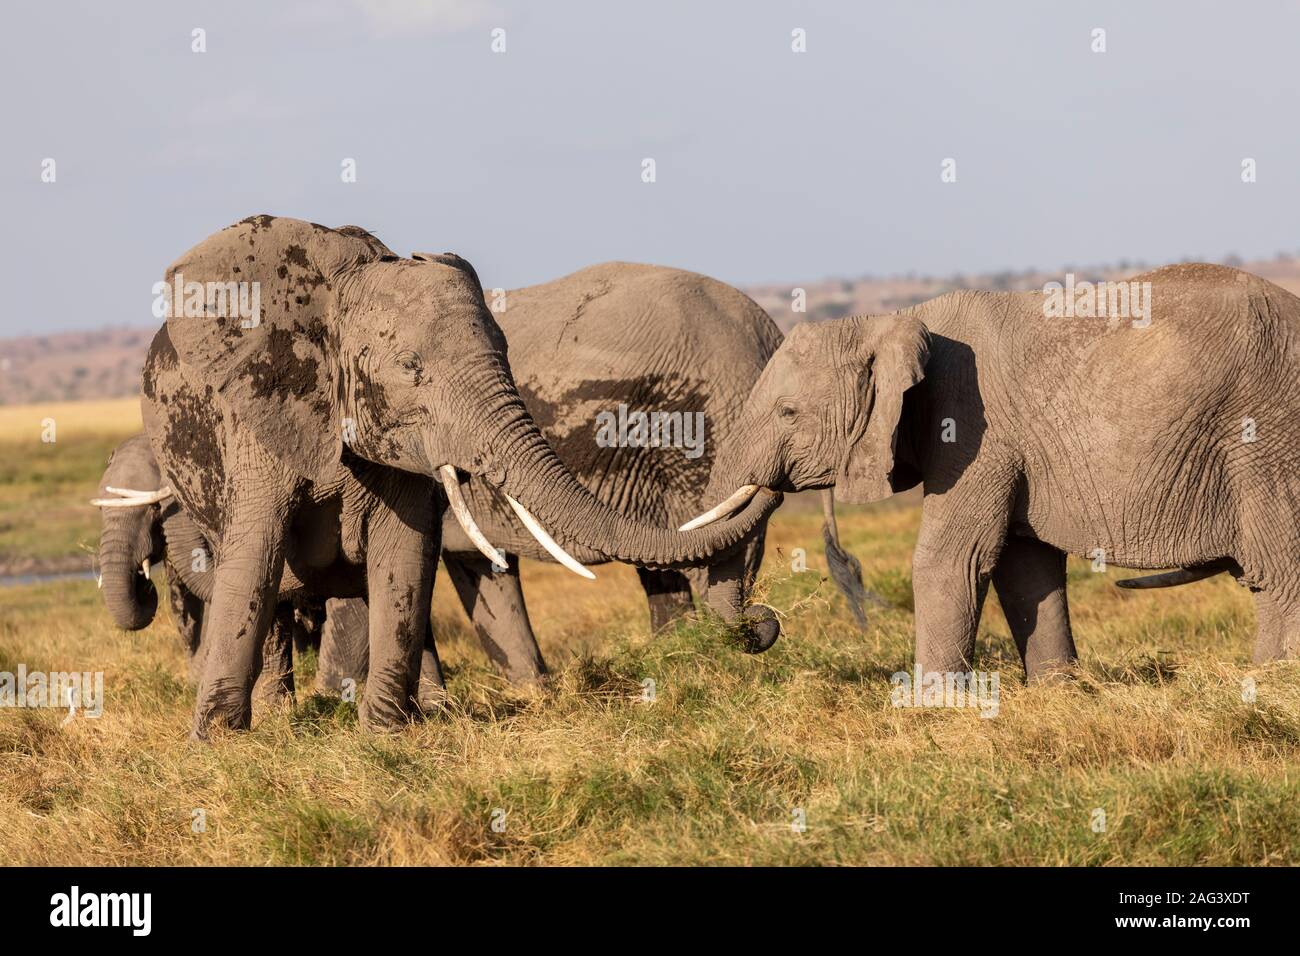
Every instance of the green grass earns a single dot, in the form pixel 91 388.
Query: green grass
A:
pixel 1154 733
pixel 46 520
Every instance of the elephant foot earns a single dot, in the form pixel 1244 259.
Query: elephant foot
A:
pixel 275 693
pixel 431 699
pixel 1052 672
pixel 381 714
pixel 756 628
pixel 231 710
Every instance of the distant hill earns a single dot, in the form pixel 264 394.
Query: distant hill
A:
pixel 72 365
pixel 836 298
pixel 106 364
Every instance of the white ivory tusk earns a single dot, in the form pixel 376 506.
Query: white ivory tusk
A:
pixel 458 507
pixel 130 498
pixel 144 567
pixel 546 541
pixel 99 581
pixel 739 497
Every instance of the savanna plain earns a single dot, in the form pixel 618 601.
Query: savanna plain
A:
pixel 733 753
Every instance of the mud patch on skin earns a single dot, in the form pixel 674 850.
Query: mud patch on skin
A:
pixel 576 411
pixel 281 371
pixel 296 255
pixel 189 423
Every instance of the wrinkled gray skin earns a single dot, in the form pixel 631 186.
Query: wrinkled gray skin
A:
pixel 1071 435
pixel 656 340
pixel 156 533
pixel 305 445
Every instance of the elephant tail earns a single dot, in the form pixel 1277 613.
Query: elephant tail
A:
pixel 845 569
pixel 1172 579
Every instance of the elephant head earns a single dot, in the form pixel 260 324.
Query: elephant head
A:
pixel 131 541
pixel 337 342
pixel 825 413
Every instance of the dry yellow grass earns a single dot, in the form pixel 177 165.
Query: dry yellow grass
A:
pixel 51 457
pixel 1155 733
pixel 115 418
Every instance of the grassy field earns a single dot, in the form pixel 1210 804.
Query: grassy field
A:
pixel 731 752
pixel 51 457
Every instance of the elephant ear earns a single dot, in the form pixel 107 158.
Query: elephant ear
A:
pixel 253 313
pixel 449 259
pixel 892 360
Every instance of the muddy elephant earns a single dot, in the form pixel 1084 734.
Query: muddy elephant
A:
pixel 307 393
pixel 143 528
pixel 1162 436
pixel 633 372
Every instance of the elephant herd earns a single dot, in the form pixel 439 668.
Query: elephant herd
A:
pixel 304 467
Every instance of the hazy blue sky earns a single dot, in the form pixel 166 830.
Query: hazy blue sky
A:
pixel 771 165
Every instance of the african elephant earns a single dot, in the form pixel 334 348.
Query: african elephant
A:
pixel 611 345
pixel 1167 440
pixel 143 527
pixel 306 393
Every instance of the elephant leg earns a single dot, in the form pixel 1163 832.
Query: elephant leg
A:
pixel 275 686
pixel 1030 582
pixel 1268 628
pixel 730 578
pixel 243 605
pixel 308 618
pixel 186 610
pixel 494 602
pixel 431 695
pixel 344 645
pixel 199 659
pixel 668 594
pixel 962 534
pixel 400 570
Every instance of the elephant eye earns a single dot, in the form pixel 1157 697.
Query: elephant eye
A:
pixel 411 362
pixel 787 411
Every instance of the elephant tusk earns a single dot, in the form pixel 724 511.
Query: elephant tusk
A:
pixel 99 581
pixel 458 507
pixel 130 498
pixel 739 497
pixel 144 567
pixel 546 541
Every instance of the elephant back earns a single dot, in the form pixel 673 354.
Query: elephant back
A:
pixel 641 338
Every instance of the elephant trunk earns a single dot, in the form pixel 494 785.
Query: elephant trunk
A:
pixel 129 596
pixel 519 462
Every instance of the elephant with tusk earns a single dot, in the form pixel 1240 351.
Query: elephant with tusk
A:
pixel 597 355
pixel 1166 442
pixel 143 528
pixel 317 438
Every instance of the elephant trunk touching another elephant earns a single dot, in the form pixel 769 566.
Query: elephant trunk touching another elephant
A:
pixel 1035 435
pixel 307 442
